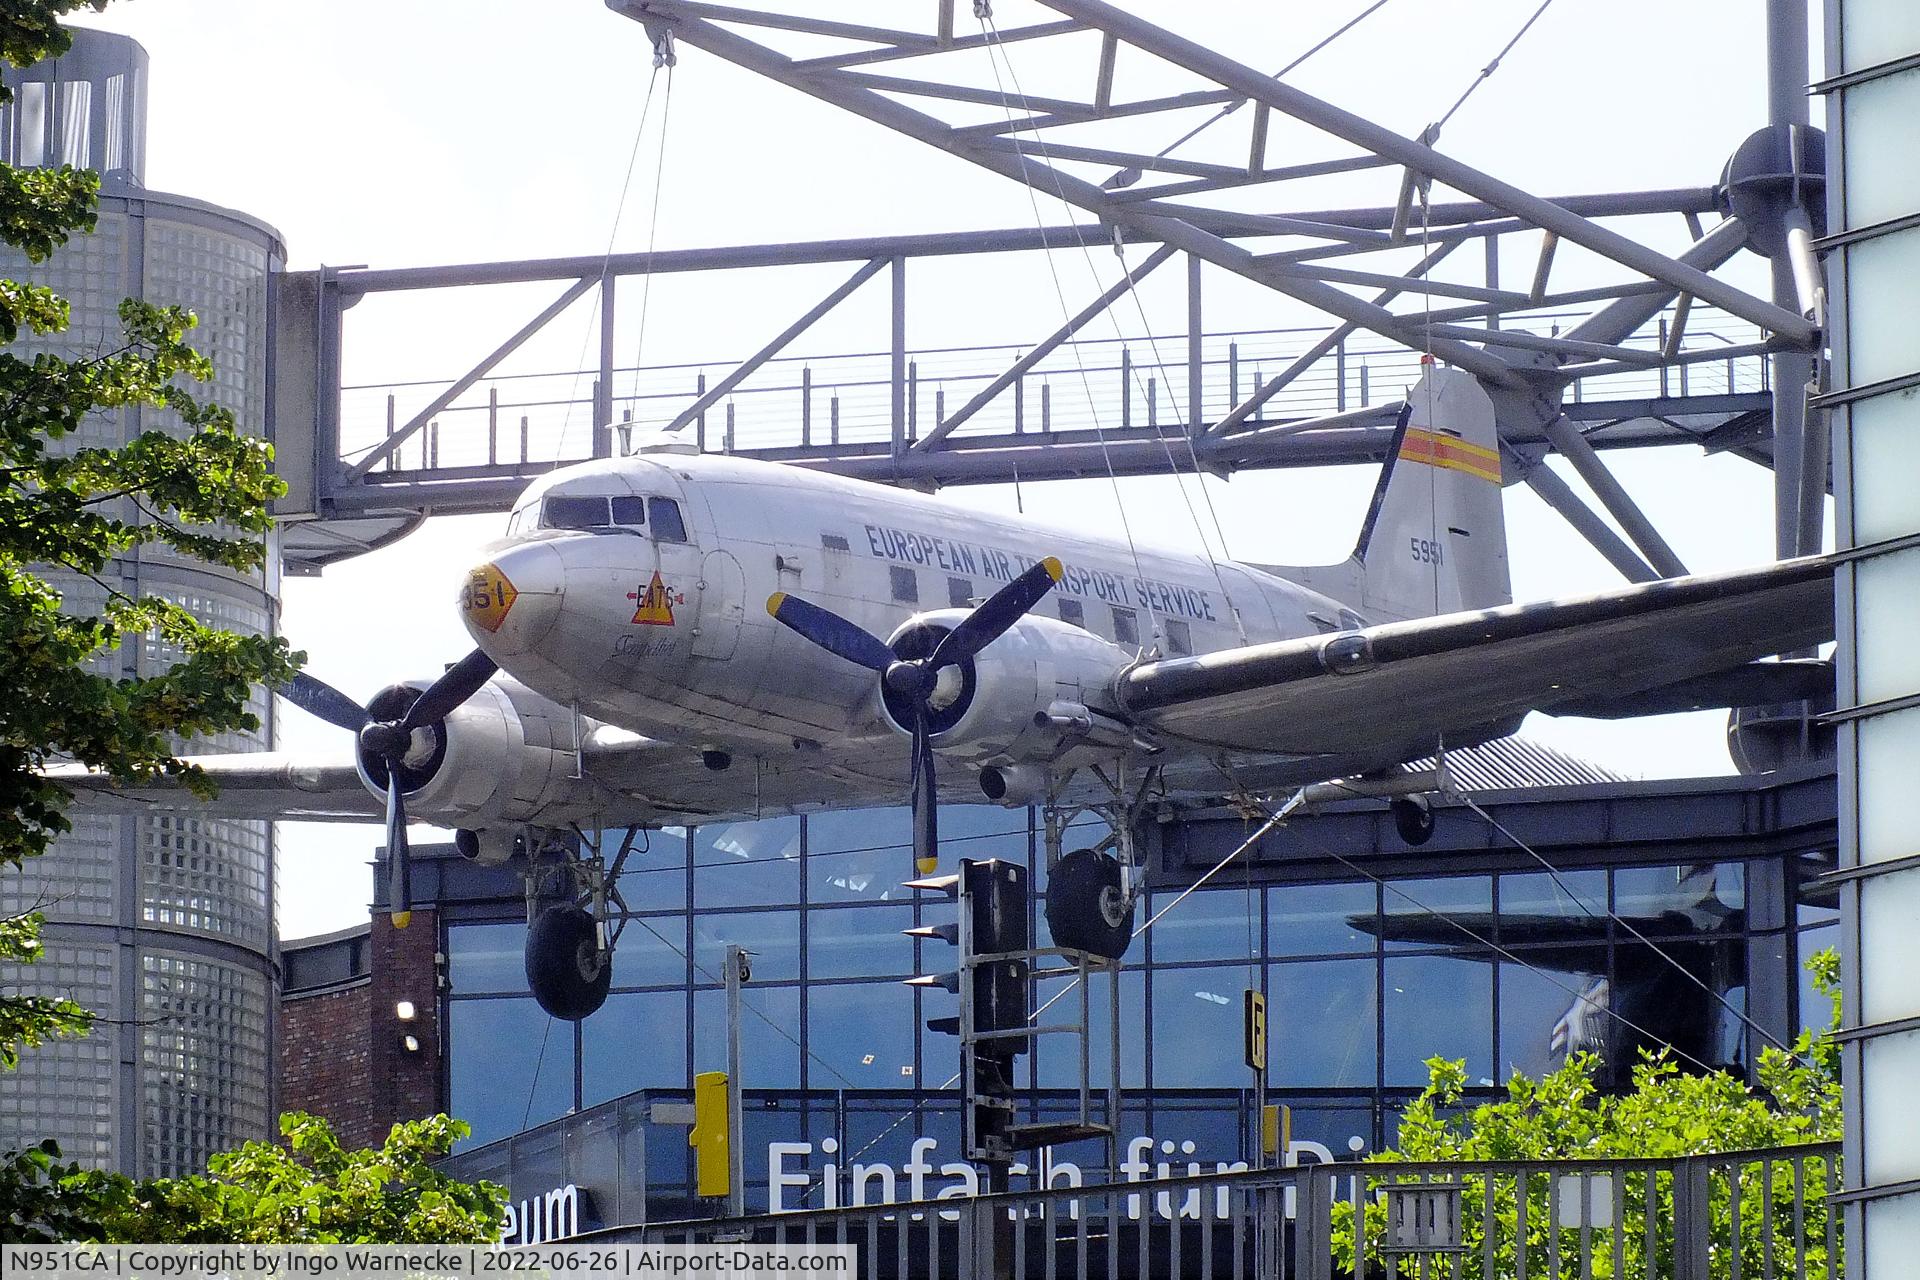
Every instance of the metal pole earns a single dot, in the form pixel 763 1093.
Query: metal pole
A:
pixel 603 389
pixel 737 973
pixel 1196 365
pixel 898 346
pixel 1787 105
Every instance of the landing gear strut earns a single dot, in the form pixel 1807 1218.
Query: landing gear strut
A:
pixel 569 953
pixel 1091 893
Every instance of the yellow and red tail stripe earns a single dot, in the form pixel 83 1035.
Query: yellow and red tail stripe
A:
pixel 1436 450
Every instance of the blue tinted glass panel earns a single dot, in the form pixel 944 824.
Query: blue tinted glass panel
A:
pixel 636 1041
pixel 651 952
pixel 1646 894
pixel 1321 1023
pixel 1059 1060
pixel 1196 1038
pixel 746 864
pixel 1437 913
pixel 772 936
pixel 1568 895
pixel 860 1035
pixel 655 877
pixel 1324 1132
pixel 867 942
pixel 769 1035
pixel 1437 1006
pixel 1211 924
pixel 485 958
pixel 859 856
pixel 980 831
pixel 1321 919
pixel 509 1066
pixel 1544 1014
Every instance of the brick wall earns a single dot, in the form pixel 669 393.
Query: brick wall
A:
pixel 341 1050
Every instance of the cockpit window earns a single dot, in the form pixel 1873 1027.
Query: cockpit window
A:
pixel 630 511
pixel 667 524
pixel 574 511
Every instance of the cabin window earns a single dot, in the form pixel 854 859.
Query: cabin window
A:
pixel 960 592
pixel 630 511
pixel 574 511
pixel 667 524
pixel 1126 627
pixel 834 542
pixel 1073 611
pixel 906 587
pixel 1179 637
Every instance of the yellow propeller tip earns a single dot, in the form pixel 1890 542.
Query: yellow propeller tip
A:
pixel 926 866
pixel 401 919
pixel 1055 569
pixel 774 602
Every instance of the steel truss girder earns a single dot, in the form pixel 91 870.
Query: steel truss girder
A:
pixel 1198 230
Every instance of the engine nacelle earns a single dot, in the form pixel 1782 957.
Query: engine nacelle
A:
pixel 504 756
pixel 1005 703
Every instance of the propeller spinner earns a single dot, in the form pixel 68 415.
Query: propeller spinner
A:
pixel 390 741
pixel 913 680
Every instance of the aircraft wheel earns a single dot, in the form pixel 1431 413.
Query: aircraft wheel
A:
pixel 1087 908
pixel 1413 819
pixel 566 970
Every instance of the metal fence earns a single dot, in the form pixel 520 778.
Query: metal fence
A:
pixel 1757 1215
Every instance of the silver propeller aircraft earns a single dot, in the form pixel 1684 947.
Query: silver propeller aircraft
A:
pixel 674 637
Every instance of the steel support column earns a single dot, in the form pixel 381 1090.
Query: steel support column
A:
pixel 1787 78
pixel 1873 219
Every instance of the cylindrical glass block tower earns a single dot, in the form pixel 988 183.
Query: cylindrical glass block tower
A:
pixel 164 925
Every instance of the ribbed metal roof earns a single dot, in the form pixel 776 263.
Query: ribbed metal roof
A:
pixel 1509 763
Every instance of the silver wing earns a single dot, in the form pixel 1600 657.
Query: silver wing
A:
pixel 1393 691
pixel 260 784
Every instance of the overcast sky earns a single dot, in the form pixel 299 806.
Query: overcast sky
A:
pixel 434 131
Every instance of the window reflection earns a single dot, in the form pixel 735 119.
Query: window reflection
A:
pixel 860 1035
pixel 772 936
pixel 1319 919
pixel 1212 924
pixel 769 1028
pixel 742 864
pixel 1437 1006
pixel 1197 1040
pixel 655 877
pixel 651 951
pixel 1321 1023
pixel 512 1066
pixel 863 942
pixel 1059 1060
pixel 862 856
pixel 1437 913
pixel 1546 1013
pixel 638 1040
pixel 483 958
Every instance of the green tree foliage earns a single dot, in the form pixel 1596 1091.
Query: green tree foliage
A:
pixel 308 1189
pixel 202 488
pixel 1665 1114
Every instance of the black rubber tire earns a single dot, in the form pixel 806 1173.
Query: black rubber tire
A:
pixel 1075 889
pixel 566 971
pixel 1413 819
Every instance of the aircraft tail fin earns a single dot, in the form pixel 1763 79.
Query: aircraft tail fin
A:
pixel 1434 540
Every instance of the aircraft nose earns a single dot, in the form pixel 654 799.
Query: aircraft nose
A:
pixel 509 603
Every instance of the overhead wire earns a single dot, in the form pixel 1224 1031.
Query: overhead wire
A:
pixel 1608 914
pixel 613 232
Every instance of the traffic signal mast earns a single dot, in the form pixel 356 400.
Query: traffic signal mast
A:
pixel 997 968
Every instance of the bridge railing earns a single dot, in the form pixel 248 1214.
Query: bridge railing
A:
pixel 846 400
pixel 1740 1216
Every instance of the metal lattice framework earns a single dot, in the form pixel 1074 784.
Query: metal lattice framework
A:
pixel 1572 370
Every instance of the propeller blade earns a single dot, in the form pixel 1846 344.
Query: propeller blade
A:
pixel 926 803
pixel 399 857
pixel 990 621
pixel 461 681
pixel 830 631
pixel 318 698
